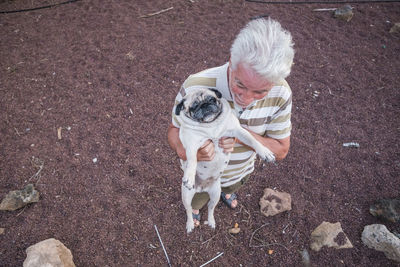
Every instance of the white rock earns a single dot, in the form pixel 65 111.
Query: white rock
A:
pixel 378 237
pixel 330 235
pixel 48 253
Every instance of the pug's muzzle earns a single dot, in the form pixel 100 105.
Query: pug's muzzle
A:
pixel 205 111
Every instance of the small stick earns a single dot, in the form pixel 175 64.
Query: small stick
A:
pixel 209 239
pixel 165 252
pixel 284 229
pixel 17 131
pixel 213 259
pixel 59 136
pixel 156 13
pixel 252 236
pixel 325 9
pixel 268 245
pixel 20 212
pixel 37 173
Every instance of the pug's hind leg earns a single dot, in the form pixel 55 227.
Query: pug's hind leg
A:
pixel 190 170
pixel 215 193
pixel 187 196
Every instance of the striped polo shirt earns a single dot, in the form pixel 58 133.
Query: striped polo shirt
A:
pixel 269 116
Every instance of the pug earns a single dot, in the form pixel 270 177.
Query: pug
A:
pixel 203 114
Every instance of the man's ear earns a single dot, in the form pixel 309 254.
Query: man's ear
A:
pixel 179 107
pixel 217 93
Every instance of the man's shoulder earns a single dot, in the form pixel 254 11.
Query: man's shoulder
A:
pixel 281 88
pixel 205 78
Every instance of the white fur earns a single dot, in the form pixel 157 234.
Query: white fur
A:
pixel 204 176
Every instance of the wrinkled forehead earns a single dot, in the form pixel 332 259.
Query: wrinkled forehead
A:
pixel 198 94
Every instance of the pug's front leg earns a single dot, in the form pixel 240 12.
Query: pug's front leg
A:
pixel 252 142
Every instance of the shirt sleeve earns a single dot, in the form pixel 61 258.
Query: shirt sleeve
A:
pixel 280 125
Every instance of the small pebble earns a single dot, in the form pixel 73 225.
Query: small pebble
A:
pixel 305 258
pixel 94 160
pixel 234 230
pixel 351 144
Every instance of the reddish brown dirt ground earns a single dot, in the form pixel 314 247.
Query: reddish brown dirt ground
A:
pixel 108 78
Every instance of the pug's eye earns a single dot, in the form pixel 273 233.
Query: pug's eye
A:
pixel 211 99
pixel 194 106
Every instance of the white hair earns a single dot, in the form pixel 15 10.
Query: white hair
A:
pixel 266 48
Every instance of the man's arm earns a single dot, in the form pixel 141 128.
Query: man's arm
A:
pixel 280 147
pixel 205 153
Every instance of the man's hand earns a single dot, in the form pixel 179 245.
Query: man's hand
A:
pixel 206 152
pixel 227 144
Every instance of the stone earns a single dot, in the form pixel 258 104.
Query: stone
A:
pixel 305 258
pixel 50 253
pixel 2 230
pixel 378 237
pixel 19 198
pixel 386 209
pixel 330 235
pixel 344 13
pixel 274 202
pixel 395 28
pixel 234 230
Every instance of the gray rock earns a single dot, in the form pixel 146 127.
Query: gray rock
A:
pixel 274 202
pixel 330 235
pixel 387 209
pixel 378 237
pixel 395 28
pixel 344 13
pixel 49 253
pixel 19 198
pixel 305 258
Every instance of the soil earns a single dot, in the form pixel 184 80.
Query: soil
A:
pixel 107 78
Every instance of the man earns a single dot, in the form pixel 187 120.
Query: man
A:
pixel 253 83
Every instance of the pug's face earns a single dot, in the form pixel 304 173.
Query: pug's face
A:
pixel 202 105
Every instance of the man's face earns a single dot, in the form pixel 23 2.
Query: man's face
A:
pixel 246 85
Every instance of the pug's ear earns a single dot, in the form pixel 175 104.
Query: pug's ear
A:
pixel 217 93
pixel 179 107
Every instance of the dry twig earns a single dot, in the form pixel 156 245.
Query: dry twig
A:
pixel 213 259
pixel 165 252
pixel 209 239
pixel 263 244
pixel 21 212
pixel 17 131
pixel 156 13
pixel 36 162
pixel 325 9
